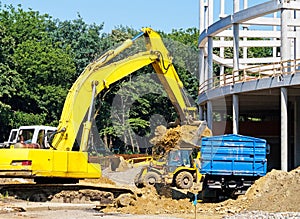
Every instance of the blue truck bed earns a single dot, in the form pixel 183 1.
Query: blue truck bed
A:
pixel 233 154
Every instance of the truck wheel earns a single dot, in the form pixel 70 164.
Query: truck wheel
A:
pixel 184 180
pixel 150 179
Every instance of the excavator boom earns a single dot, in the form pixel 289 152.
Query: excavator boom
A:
pixel 103 75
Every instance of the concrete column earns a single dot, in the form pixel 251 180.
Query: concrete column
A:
pixel 210 12
pixel 285 55
pixel 297 41
pixel 206 15
pixel 222 15
pixel 235 114
pixel 285 42
pixel 209 116
pixel 210 62
pixel 201 117
pixel 284 128
pixel 222 68
pixel 236 5
pixel 296 151
pixel 222 8
pixel 201 16
pixel 201 66
pixel 201 51
pixel 235 98
pixel 245 49
pixel 245 4
pixel 205 70
pixel 236 8
pixel 235 50
pixel 274 29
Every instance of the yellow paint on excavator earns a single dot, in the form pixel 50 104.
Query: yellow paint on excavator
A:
pixel 47 163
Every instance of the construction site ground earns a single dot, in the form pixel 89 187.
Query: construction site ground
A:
pixel 275 195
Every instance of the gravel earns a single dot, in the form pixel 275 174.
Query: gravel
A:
pixel 263 215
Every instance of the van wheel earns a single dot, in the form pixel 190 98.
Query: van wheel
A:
pixel 184 180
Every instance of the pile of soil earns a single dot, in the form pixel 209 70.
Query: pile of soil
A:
pixel 152 203
pixel 278 191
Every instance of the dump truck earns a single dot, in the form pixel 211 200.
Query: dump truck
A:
pixel 230 164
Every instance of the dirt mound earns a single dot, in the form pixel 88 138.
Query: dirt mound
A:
pixel 277 191
pixel 152 203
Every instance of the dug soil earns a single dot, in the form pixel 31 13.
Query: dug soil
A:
pixel 278 191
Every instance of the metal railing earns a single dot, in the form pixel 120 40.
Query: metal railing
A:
pixel 276 69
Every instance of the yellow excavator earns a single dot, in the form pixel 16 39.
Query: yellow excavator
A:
pixel 67 160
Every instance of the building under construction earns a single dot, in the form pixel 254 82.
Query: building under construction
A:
pixel 250 73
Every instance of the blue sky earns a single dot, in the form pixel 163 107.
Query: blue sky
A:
pixel 162 15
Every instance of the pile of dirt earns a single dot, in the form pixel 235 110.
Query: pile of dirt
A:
pixel 180 136
pixel 152 203
pixel 277 191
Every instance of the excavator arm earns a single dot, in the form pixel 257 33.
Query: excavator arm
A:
pixel 100 75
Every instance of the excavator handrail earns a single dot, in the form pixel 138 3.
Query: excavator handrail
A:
pixel 79 97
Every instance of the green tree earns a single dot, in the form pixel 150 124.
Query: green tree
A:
pixel 84 41
pixel 183 46
pixel 34 69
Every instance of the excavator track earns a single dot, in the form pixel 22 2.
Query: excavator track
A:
pixel 68 193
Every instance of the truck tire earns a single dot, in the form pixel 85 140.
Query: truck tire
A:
pixel 150 179
pixel 184 180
